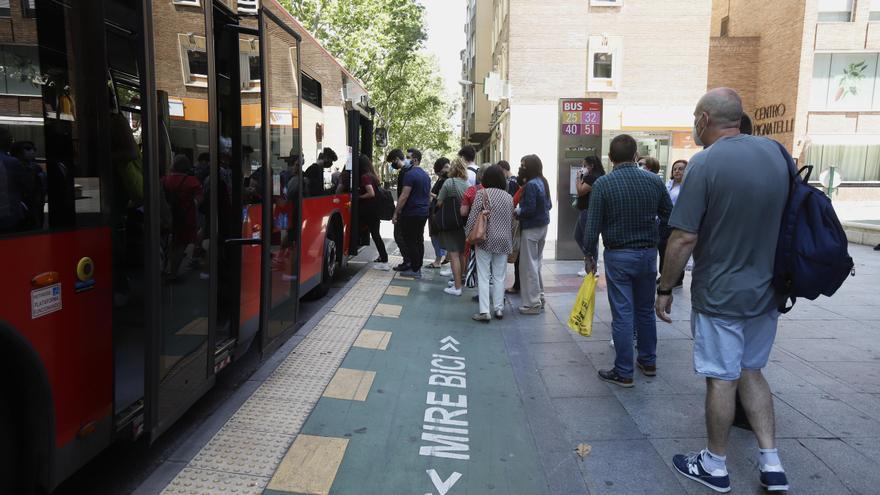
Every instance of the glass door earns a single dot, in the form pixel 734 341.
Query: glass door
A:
pixel 282 195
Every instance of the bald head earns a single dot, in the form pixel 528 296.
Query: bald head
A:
pixel 724 107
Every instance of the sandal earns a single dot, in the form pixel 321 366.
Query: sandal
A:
pixel 433 266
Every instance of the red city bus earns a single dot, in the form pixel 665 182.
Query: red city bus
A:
pixel 154 213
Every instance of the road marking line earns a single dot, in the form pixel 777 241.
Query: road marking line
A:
pixel 397 290
pixel 373 339
pixel 310 466
pixel 348 384
pixel 388 310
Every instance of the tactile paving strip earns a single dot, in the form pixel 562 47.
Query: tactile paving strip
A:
pixel 244 454
pixel 201 482
pixel 247 452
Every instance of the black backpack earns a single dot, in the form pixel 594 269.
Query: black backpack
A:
pixel 384 203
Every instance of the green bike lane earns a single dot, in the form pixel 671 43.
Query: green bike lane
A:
pixel 443 413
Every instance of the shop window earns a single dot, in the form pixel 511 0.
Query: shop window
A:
pixel 835 11
pixel 845 82
pixel 5 11
pixel 854 163
pixel 874 13
pixel 604 63
pixel 311 90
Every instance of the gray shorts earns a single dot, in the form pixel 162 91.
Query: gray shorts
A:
pixel 723 346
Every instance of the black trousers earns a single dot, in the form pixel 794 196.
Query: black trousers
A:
pixel 400 241
pixel 661 247
pixel 412 230
pixel 374 224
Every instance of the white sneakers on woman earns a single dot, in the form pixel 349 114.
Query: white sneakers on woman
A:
pixel 452 291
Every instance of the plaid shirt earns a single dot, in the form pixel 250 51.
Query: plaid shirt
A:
pixel 624 207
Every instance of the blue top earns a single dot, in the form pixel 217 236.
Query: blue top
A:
pixel 419 200
pixel 534 206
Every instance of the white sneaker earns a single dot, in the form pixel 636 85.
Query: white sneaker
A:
pixel 582 273
pixel 381 266
pixel 445 272
pixel 452 291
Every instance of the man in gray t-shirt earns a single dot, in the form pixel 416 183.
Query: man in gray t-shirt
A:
pixel 728 215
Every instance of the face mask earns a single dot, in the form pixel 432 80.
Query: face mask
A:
pixel 407 163
pixel 395 165
pixel 698 135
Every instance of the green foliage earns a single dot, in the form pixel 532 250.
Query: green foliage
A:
pixel 380 42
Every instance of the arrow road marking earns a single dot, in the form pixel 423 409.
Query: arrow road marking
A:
pixel 449 343
pixel 443 486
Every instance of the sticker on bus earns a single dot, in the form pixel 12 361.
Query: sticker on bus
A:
pixel 45 300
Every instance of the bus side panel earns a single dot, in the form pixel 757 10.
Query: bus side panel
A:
pixel 73 335
pixel 315 219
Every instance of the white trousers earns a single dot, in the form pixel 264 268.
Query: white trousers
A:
pixel 491 275
pixel 531 254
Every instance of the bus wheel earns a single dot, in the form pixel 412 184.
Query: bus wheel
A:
pixel 329 265
pixel 10 458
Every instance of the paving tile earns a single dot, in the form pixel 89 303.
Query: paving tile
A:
pixel 203 482
pixel 866 403
pixel 835 415
pixel 310 465
pixel 828 350
pixel 573 381
pixel 606 474
pixel 243 452
pixel 590 419
pixel 349 384
pixel 666 416
pixel 271 416
pixel 373 339
pixel 792 423
pixel 557 354
pixel 860 376
pixel 540 334
pixel 388 310
pixel 397 290
pixel 855 470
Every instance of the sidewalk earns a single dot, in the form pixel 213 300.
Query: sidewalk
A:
pixel 397 391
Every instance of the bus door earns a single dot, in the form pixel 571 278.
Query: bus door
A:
pixel 282 192
pixel 360 139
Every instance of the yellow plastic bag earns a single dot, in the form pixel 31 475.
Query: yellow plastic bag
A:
pixel 581 318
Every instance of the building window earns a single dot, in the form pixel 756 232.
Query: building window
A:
pixel 604 67
pixel 249 7
pixel 874 14
pixel 835 11
pixel 194 3
pixel 725 26
pixel 20 70
pixel 5 11
pixel 28 8
pixel 853 162
pixel 193 59
pixel 845 82
pixel 311 90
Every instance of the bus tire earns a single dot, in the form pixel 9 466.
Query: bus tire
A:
pixel 13 478
pixel 329 268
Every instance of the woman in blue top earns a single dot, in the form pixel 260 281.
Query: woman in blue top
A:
pixel 534 216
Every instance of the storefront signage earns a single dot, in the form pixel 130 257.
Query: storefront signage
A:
pixel 770 120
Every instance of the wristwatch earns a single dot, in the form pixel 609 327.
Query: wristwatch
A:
pixel 664 292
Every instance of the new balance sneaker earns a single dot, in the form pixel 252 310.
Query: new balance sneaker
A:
pixel 611 376
pixel 691 466
pixel 773 479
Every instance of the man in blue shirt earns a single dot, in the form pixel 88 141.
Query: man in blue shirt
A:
pixel 411 214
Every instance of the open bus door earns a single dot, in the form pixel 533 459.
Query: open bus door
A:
pixel 360 139
pixel 281 149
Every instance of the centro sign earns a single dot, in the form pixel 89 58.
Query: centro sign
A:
pixel 770 120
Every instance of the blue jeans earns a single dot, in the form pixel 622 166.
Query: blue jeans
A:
pixel 632 276
pixel 580 231
pixel 439 252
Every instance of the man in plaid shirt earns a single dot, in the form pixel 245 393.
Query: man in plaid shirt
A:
pixel 625 206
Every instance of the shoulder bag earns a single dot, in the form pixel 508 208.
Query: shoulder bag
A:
pixel 480 230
